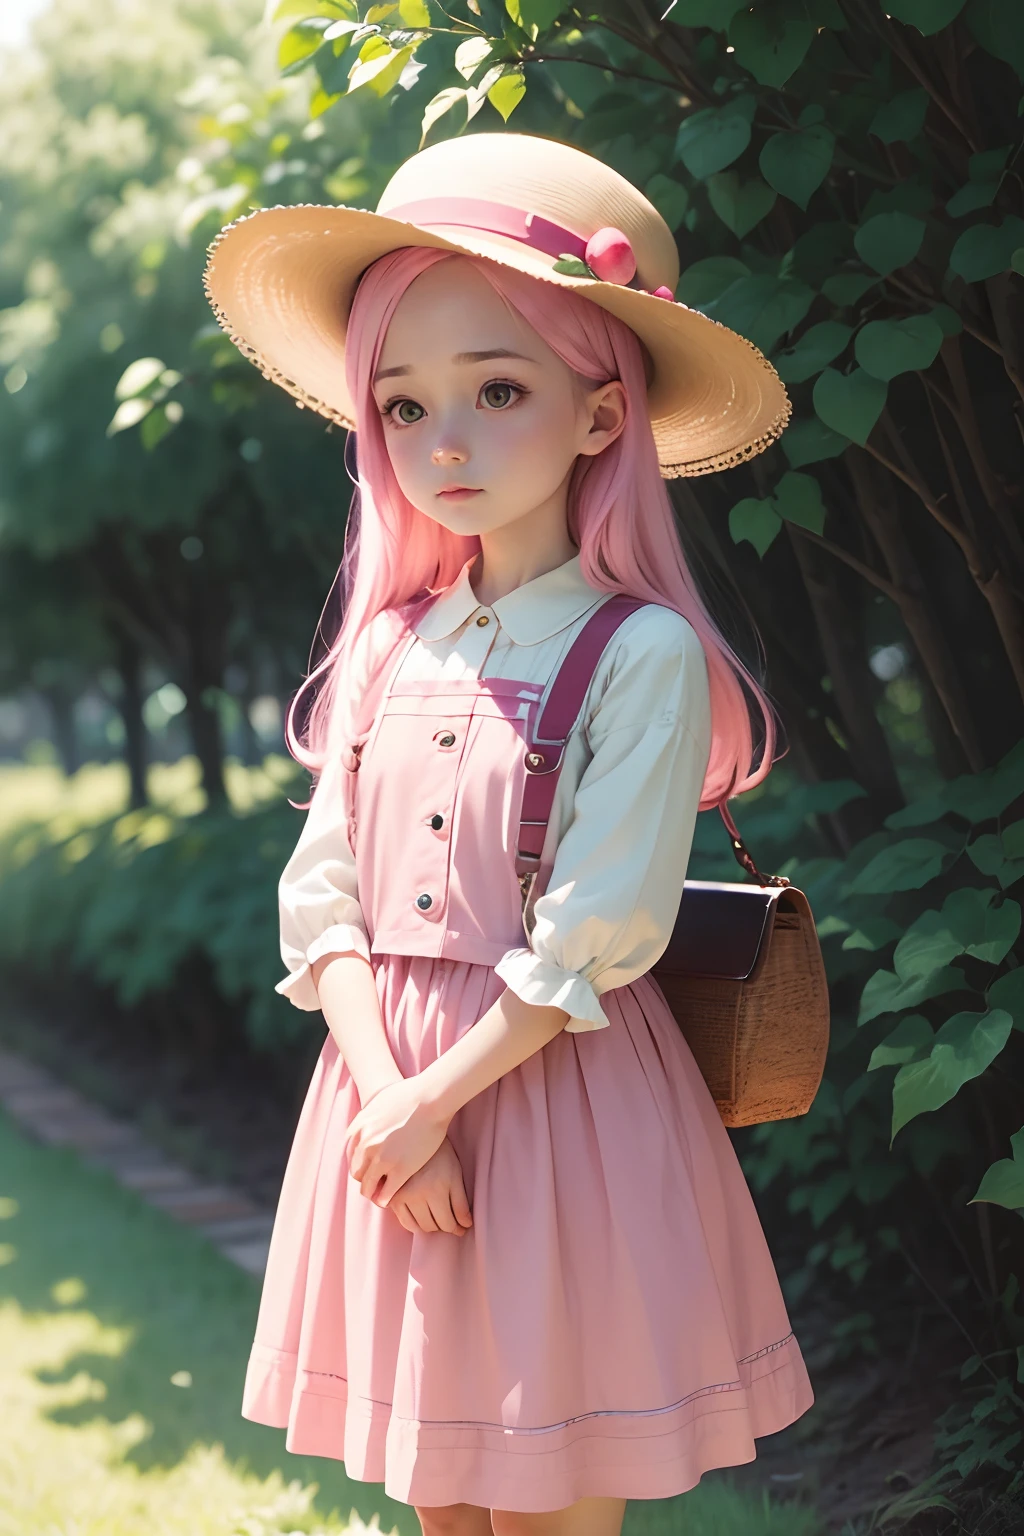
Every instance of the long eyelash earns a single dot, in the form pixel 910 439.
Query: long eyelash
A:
pixel 521 390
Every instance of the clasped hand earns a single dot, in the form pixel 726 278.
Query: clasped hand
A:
pixel 391 1138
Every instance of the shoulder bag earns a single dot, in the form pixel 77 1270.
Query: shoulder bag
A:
pixel 742 972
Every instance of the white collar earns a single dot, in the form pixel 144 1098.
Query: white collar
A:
pixel 533 612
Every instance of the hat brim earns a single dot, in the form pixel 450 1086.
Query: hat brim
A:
pixel 281 282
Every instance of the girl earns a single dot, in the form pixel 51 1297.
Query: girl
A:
pixel 516 1274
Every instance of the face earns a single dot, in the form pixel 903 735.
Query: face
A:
pixel 482 420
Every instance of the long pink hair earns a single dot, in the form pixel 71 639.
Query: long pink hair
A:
pixel 620 517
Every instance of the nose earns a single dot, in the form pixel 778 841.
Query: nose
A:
pixel 449 453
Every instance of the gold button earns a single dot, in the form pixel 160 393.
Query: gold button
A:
pixel 482 620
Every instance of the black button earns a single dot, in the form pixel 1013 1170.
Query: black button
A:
pixel 447 740
pixel 437 822
pixel 424 901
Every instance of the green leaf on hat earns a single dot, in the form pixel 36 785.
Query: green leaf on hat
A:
pixel 928 16
pixel 739 205
pixel 507 92
pixel 889 241
pixel 816 348
pixel 964 1047
pixel 771 46
pixel 797 498
pixel 885 348
pixel 755 521
pixel 809 441
pixel 986 250
pixel 900 119
pixel 572 266
pixel 712 139
pixel 850 403
pixel 796 162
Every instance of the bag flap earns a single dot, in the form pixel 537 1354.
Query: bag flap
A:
pixel 720 929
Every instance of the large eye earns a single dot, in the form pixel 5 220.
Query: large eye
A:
pixel 497 395
pixel 405 410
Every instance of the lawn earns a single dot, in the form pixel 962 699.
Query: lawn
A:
pixel 123 1341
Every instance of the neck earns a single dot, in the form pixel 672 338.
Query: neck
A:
pixel 522 550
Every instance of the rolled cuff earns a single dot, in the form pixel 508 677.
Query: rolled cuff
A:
pixel 547 985
pixel 342 939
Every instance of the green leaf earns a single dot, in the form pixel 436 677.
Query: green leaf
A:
pixel 873 933
pixel 669 197
pixel 816 348
pixel 999 28
pixel 1017 261
pixel 988 853
pixel 796 163
pixel 798 499
pixel 535 16
pixel 756 521
pixel 886 993
pixel 927 16
pixel 965 1046
pixel 128 414
pixel 889 241
pixel 299 43
pixel 904 866
pixel 380 74
pixel 139 376
pixel 809 441
pixel 715 14
pixel 1008 992
pixel 415 13
pixel 507 92
pixel 1003 1184
pixel 471 54
pixel 975 195
pixel 845 288
pixel 157 423
pixel 572 266
pixel 712 139
pixel 739 205
pixel 321 100
pixel 885 348
pixel 850 403
pixel 911 1040
pixel 304 8
pixel 451 99
pixel 771 46
pixel 707 280
pixel 762 308
pixel 901 118
pixel 947 320
pixel 985 250
pixel 967 924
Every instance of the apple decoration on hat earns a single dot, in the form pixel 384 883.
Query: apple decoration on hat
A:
pixel 608 258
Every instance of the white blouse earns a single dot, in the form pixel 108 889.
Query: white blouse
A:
pixel 622 823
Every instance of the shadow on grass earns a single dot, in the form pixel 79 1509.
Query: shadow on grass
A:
pixel 72 1240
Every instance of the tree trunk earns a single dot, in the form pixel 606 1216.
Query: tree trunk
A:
pixel 129 666
pixel 207 743
pixel 65 734
pixel 842 644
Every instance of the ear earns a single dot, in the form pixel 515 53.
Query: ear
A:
pixel 605 408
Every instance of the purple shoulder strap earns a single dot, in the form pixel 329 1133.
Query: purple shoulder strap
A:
pixel 546 747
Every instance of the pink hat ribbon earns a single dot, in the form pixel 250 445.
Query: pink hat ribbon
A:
pixel 607 254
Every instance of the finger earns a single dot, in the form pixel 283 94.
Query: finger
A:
pixel 423 1215
pixel 369 1182
pixel 404 1216
pixel 460 1204
pixel 441 1207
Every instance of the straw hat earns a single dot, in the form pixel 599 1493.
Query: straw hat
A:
pixel 281 282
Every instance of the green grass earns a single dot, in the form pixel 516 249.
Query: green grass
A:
pixel 123 1342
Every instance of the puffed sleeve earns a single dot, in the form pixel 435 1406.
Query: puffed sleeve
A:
pixel 617 877
pixel 319 908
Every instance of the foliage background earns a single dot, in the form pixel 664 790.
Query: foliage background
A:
pixel 844 183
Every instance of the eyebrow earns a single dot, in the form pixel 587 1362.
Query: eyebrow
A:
pixel 460 357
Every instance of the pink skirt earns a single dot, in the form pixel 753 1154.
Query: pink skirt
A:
pixel 611 1324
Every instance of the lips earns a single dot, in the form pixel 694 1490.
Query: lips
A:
pixel 458 492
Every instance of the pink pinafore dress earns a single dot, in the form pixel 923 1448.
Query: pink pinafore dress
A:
pixel 611 1323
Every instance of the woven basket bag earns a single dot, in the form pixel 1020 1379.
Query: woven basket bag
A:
pixel 743 972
